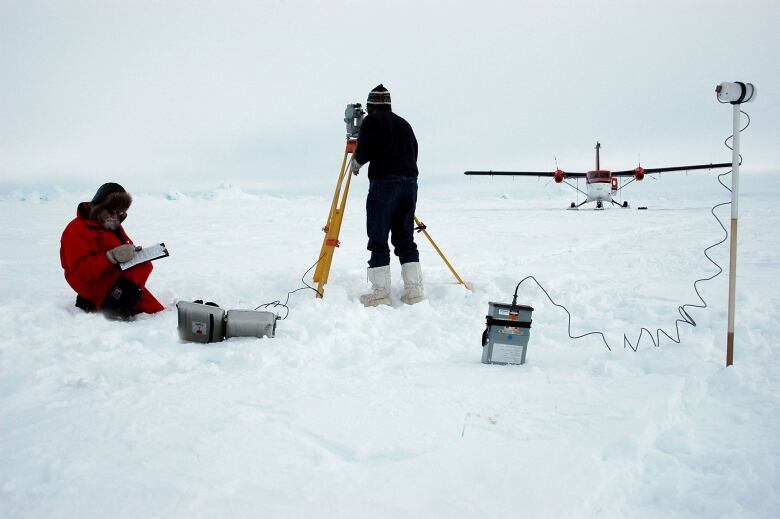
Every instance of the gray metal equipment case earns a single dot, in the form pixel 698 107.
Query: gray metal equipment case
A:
pixel 250 323
pixel 505 339
pixel 200 323
pixel 206 323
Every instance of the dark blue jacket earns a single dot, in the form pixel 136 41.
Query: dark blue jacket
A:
pixel 387 141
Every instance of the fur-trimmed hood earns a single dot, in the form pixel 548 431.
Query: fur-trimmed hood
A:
pixel 118 201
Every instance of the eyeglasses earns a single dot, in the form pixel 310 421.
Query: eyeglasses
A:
pixel 120 214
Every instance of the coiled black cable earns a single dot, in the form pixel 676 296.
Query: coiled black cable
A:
pixel 306 286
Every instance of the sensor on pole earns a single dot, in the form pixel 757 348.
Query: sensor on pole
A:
pixel 735 93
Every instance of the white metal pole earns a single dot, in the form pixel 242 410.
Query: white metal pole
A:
pixel 733 247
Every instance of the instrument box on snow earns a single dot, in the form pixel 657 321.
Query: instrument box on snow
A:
pixel 250 323
pixel 208 322
pixel 201 323
pixel 506 334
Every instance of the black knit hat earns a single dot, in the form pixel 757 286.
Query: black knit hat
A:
pixel 378 97
pixel 111 197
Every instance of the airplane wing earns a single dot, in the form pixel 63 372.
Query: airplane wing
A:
pixel 632 172
pixel 551 174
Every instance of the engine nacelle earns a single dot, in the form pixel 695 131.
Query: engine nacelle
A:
pixel 639 173
pixel 558 176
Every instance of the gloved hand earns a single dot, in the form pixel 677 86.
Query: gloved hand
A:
pixel 122 253
pixel 356 166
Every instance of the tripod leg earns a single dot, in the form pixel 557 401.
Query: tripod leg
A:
pixel 329 222
pixel 333 225
pixel 332 240
pixel 421 228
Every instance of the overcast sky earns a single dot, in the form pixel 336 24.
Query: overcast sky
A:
pixel 186 95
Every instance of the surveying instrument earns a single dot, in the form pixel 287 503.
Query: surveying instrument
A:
pixel 353 117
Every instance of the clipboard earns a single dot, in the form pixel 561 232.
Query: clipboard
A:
pixel 149 253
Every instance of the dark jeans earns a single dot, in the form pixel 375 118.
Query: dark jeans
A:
pixel 390 207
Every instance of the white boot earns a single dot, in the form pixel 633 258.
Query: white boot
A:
pixel 413 283
pixel 380 287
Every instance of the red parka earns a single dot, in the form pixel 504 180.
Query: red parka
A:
pixel 88 271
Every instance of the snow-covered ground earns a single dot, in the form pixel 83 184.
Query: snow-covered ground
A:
pixel 388 412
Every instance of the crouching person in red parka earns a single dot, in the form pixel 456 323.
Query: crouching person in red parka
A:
pixel 92 246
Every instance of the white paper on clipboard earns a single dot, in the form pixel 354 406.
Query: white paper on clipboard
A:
pixel 149 253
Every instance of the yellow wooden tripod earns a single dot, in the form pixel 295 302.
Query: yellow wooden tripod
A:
pixel 336 215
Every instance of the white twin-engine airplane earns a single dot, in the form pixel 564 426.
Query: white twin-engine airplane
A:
pixel 601 183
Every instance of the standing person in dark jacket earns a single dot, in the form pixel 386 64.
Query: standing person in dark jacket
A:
pixel 92 246
pixel 388 143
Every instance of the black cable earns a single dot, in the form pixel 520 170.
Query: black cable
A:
pixel 514 302
pixel 685 316
pixel 287 300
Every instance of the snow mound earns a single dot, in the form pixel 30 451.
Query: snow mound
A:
pixel 18 195
pixel 227 192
